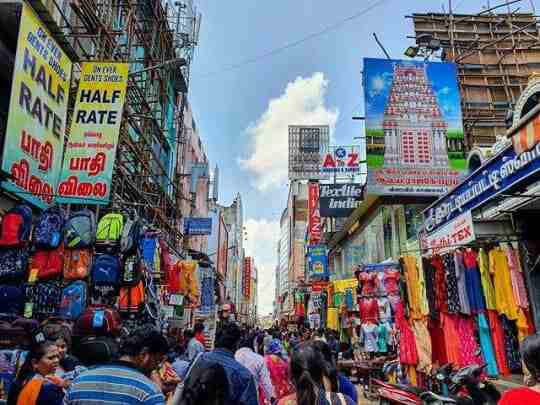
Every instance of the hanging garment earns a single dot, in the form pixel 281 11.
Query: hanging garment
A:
pixel 189 282
pixel 497 335
pixel 385 310
pixel 473 282
pixel 451 284
pixel 502 281
pixel 349 299
pixel 487 284
pixel 332 319
pixel 369 310
pixel 462 286
pixel 468 347
pixel 338 299
pixel 413 286
pixel 438 345
pixel 369 337
pixel 523 326
pixel 441 293
pixel 408 353
pixel 207 290
pixel 391 281
pixel 511 345
pixel 423 345
pixel 368 283
pixel 487 346
pixel 429 277
pixel 383 337
pixel 394 301
pixel 451 337
pixel 516 273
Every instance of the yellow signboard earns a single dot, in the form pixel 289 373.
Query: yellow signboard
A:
pixel 91 148
pixel 37 113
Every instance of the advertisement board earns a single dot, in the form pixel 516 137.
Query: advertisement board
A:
pixel 414 133
pixel 223 246
pixel 307 144
pixel 339 200
pixel 246 277
pixel 314 217
pixel 317 257
pixel 341 160
pixel 197 226
pixel 458 232
pixel 38 104
pixel 91 147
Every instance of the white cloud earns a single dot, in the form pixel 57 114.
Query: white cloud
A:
pixel 262 239
pixel 302 103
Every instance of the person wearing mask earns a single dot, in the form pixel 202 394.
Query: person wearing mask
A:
pixel 207 384
pixel 255 363
pixel 36 383
pixel 125 381
pixel 530 352
pixel 340 382
pixel 279 370
pixel 311 375
pixel 242 387
pixel 196 343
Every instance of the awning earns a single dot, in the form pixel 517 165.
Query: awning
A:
pixel 526 133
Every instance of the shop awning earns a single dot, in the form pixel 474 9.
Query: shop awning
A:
pixel 525 135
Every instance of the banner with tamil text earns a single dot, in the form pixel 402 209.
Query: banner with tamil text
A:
pixel 37 113
pixel 91 148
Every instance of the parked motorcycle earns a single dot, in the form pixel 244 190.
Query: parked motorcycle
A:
pixel 468 383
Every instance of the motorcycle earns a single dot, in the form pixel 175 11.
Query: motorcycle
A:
pixel 468 383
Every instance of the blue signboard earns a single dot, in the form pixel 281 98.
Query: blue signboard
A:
pixel 496 176
pixel 317 257
pixel 198 226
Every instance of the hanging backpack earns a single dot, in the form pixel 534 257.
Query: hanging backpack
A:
pixel 77 263
pixel 16 226
pixel 132 270
pixel 109 229
pixel 131 235
pixel 49 263
pixel 132 299
pixel 105 270
pixel 98 320
pixel 48 229
pixel 73 300
pixel 11 299
pixel 13 263
pixel 43 299
pixel 80 230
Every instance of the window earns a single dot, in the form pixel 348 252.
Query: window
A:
pixel 407 146
pixel 423 147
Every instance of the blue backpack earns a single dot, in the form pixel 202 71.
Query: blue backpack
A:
pixel 80 230
pixel 73 300
pixel 13 264
pixel 106 270
pixel 49 228
pixel 11 299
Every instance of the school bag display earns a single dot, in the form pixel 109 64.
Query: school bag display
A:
pixel 131 235
pixel 132 270
pixel 11 299
pixel 80 230
pixel 48 263
pixel 16 226
pixel 109 230
pixel 13 263
pixel 73 300
pixel 49 228
pixel 17 331
pixel 132 299
pixel 43 299
pixel 77 263
pixel 105 270
pixel 98 320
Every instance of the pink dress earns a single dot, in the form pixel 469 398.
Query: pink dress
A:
pixel 516 274
pixel 279 374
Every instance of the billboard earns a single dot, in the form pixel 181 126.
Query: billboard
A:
pixel 339 200
pixel 246 277
pixel 91 148
pixel 341 160
pixel 317 261
pixel 197 226
pixel 314 217
pixel 414 132
pixel 307 144
pixel 223 246
pixel 36 123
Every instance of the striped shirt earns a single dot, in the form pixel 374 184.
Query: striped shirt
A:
pixel 114 384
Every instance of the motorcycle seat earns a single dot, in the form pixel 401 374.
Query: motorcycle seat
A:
pixel 429 396
pixel 407 388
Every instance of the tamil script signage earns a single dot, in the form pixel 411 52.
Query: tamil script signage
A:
pixel 197 226
pixel 91 148
pixel 339 200
pixel 499 174
pixel 317 257
pixel 314 216
pixel 36 124
pixel 458 232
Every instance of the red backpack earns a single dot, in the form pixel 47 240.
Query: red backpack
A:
pixel 49 263
pixel 16 226
pixel 98 320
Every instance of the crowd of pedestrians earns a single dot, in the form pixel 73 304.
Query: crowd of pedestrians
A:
pixel 247 366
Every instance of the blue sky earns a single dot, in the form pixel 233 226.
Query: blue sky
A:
pixel 243 113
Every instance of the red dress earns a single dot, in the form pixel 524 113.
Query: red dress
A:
pixel 368 281
pixel 441 294
pixel 408 353
pixel 497 335
pixel 519 396
pixel 369 310
pixel 391 281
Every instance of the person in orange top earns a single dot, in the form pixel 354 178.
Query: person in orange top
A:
pixel 530 350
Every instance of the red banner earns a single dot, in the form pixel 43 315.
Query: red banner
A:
pixel 314 215
pixel 246 277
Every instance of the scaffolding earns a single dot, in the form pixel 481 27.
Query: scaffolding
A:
pixel 157 38
pixel 495 55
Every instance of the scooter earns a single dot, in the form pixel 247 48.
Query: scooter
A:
pixel 468 383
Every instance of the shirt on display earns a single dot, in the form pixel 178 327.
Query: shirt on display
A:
pixel 385 310
pixel 368 337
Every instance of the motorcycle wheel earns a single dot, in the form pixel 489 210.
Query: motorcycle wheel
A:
pixel 384 402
